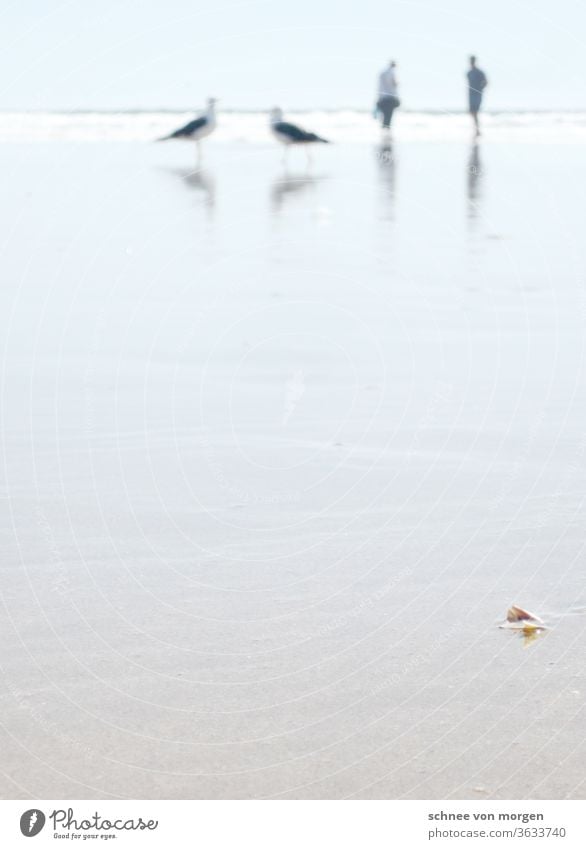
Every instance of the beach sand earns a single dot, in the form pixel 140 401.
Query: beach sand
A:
pixel 280 448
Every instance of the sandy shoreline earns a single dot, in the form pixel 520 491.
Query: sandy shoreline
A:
pixel 279 450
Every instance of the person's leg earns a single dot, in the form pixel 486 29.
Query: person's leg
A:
pixel 476 124
pixel 386 108
pixel 474 110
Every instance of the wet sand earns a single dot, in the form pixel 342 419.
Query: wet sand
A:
pixel 279 448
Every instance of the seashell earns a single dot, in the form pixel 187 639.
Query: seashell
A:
pixel 527 626
pixel 517 614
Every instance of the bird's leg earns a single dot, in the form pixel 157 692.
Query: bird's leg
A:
pixel 308 155
pixel 198 151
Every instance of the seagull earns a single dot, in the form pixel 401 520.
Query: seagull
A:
pixel 290 134
pixel 199 128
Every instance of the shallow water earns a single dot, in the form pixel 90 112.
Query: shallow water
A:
pixel 251 127
pixel 280 448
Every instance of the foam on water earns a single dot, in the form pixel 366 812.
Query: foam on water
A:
pixel 252 127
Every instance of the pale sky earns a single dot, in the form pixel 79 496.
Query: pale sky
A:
pixel 126 54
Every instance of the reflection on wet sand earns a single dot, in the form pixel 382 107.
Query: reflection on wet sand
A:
pixel 474 175
pixel 200 181
pixel 290 184
pixel 387 167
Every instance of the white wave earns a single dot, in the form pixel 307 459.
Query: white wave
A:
pixel 252 127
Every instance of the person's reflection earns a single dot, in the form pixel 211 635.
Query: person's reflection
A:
pixel 290 184
pixel 474 176
pixel 387 166
pixel 200 181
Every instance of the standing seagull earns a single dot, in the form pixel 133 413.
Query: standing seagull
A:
pixel 290 134
pixel 199 128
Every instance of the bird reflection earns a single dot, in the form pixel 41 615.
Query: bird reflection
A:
pixel 387 165
pixel 290 184
pixel 474 175
pixel 200 181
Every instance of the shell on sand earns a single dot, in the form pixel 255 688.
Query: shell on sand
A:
pixel 524 625
pixel 518 619
pixel 517 614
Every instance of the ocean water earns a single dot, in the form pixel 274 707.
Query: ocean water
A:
pixel 345 125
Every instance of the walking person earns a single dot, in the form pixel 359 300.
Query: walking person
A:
pixel 387 100
pixel 477 82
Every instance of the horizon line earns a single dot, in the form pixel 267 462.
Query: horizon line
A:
pixel 257 110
